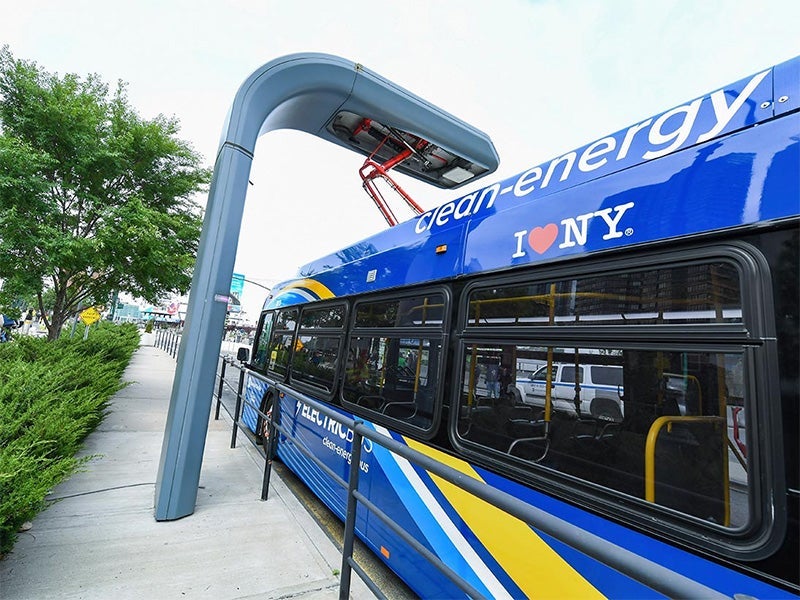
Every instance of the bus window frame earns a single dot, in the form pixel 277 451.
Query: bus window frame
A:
pixel 440 334
pixel 754 338
pixel 257 340
pixel 273 374
pixel 339 332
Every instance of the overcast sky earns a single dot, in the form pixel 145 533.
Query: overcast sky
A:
pixel 540 77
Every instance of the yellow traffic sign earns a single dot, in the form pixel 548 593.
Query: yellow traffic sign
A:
pixel 90 315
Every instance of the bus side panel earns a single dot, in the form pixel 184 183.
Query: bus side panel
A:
pixel 432 256
pixel 538 565
pixel 255 390
pixel 400 491
pixel 726 183
pixel 710 574
pixel 381 480
pixel 329 441
pixel 472 537
pixel 496 553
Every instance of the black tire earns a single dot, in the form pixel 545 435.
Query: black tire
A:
pixel 262 430
pixel 606 409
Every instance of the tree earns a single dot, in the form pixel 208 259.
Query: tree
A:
pixel 93 198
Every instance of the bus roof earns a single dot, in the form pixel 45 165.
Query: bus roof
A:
pixel 723 160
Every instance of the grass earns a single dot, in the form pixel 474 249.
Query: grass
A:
pixel 52 395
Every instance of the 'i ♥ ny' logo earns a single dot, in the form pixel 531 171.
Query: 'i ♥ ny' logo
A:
pixel 541 238
pixel 575 231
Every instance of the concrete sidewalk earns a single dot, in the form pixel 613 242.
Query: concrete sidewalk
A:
pixel 101 540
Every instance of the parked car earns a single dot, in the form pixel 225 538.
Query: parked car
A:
pixel 599 388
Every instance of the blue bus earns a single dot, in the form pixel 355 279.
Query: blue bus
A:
pixel 610 336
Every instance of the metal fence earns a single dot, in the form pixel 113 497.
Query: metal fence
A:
pixel 169 340
pixel 646 572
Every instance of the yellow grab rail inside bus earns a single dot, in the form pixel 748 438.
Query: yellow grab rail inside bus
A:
pixel 650 454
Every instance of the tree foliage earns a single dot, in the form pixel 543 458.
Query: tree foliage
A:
pixel 94 199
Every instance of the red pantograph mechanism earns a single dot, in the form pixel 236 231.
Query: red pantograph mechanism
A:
pixel 371 170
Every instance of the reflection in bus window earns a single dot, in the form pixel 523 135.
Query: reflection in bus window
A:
pixel 316 350
pixel 698 293
pixel 394 377
pixel 314 360
pixel 279 351
pixel 262 345
pixel 328 317
pixel 414 311
pixel 287 319
pixel 655 425
pixel 280 345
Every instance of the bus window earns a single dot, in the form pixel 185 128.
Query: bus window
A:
pixel 329 317
pixel 415 311
pixel 280 350
pixel 280 344
pixel 665 426
pixel 696 293
pixel 393 377
pixel 316 351
pixel 261 353
pixel 651 424
pixel 394 357
pixel 314 360
pixel 287 320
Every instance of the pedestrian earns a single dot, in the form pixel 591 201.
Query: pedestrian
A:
pixel 504 378
pixel 492 381
pixel 27 321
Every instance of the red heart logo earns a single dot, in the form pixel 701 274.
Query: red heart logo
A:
pixel 541 238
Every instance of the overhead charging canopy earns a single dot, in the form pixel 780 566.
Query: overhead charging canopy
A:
pixel 339 101
pixel 426 161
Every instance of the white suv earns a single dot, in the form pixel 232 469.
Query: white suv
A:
pixel 600 389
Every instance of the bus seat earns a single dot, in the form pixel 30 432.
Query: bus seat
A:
pixel 594 430
pixel 526 430
pixel 372 402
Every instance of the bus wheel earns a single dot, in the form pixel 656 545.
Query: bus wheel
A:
pixel 262 427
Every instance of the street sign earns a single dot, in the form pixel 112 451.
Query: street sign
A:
pixel 90 315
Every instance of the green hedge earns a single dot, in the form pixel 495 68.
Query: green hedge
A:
pixel 52 395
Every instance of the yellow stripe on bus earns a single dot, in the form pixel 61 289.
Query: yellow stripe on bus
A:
pixel 319 289
pixel 534 566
